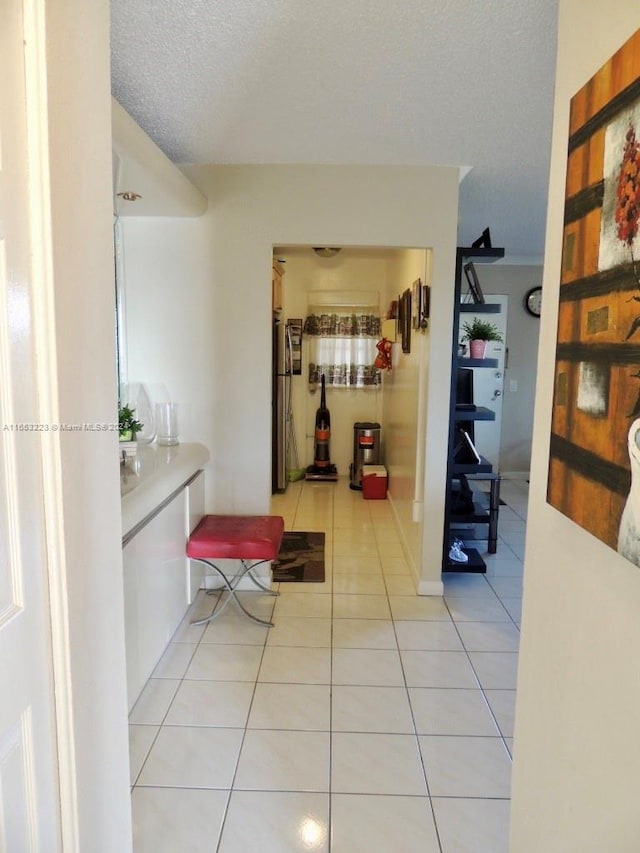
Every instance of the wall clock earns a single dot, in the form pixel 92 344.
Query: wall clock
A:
pixel 533 301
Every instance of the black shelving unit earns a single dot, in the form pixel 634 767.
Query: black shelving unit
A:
pixel 483 308
pixel 480 413
pixel 484 513
pixel 483 470
pixel 482 467
pixel 463 361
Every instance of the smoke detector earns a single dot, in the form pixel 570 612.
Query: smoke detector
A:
pixel 326 251
pixel 129 195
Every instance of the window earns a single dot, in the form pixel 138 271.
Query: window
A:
pixel 343 330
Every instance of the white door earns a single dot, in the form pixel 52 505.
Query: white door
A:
pixel 488 383
pixel 29 799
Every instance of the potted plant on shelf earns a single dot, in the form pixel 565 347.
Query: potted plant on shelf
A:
pixel 478 332
pixel 128 425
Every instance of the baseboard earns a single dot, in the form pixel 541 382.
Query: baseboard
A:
pixel 423 587
pixel 196 578
pixel 431 588
pixel 415 573
pixel 514 475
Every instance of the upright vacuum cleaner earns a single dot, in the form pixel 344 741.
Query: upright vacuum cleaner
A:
pixel 322 469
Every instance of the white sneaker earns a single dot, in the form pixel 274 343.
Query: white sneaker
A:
pixel 456 554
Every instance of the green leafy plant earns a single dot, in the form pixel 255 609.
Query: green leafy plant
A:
pixel 127 423
pixel 480 330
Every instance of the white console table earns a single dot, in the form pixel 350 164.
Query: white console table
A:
pixel 161 504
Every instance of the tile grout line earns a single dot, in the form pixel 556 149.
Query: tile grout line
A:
pixel 415 728
pixel 245 728
pixel 482 689
pixel 244 736
pixel 180 681
pixel 406 691
pixel 330 768
pixel 331 519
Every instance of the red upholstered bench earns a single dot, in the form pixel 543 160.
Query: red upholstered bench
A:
pixel 251 539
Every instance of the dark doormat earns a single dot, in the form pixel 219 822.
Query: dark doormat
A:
pixel 301 558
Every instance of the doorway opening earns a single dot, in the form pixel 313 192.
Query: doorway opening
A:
pixel 334 289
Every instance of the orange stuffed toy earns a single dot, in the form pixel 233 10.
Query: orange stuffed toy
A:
pixel 383 359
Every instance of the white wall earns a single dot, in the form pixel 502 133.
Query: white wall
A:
pixel 405 394
pixel 170 305
pixel 90 682
pixel 577 750
pixel 523 332
pixel 171 310
pixel 224 301
pixel 142 169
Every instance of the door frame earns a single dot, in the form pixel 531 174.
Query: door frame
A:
pixel 35 59
pixel 66 52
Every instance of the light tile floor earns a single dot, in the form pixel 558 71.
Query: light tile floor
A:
pixel 367 719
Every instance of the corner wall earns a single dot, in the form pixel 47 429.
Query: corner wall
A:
pixel 405 392
pixel 577 751
pixel 252 209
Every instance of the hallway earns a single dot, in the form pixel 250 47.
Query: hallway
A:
pixel 367 719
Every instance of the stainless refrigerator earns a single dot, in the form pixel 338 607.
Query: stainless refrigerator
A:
pixel 282 354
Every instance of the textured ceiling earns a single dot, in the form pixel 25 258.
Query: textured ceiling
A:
pixel 458 82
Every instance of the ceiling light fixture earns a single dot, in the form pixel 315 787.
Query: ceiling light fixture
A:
pixel 326 251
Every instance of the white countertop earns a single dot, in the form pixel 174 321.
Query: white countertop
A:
pixel 159 472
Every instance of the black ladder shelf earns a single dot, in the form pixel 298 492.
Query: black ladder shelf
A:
pixel 474 472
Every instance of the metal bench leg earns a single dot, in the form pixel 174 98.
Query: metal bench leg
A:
pixel 257 581
pixel 230 587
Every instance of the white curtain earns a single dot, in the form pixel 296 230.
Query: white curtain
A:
pixel 343 343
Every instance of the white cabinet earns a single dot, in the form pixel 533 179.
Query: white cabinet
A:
pixel 154 590
pixel 194 512
pixel 161 504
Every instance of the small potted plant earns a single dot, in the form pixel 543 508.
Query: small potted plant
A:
pixel 128 424
pixel 478 332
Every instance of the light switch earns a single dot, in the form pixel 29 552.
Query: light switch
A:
pixel 513 385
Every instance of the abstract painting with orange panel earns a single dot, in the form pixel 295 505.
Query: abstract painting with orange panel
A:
pixel 594 468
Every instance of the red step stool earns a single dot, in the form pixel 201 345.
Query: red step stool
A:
pixel 251 539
